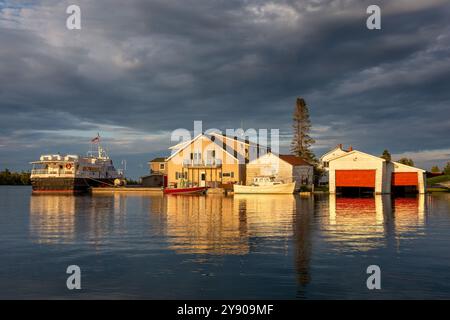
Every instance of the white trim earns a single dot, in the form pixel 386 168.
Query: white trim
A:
pixel 404 165
pixel 356 151
pixel 332 150
pixel 184 147
pixel 193 140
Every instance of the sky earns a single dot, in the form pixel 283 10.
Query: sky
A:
pixel 137 70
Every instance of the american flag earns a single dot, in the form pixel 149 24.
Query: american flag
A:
pixel 96 139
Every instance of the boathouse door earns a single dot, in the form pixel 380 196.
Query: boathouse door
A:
pixel 355 178
pixel 404 182
pixel 355 182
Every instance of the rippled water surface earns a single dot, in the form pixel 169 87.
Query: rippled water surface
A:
pixel 209 247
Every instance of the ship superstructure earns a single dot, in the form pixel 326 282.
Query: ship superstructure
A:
pixel 73 173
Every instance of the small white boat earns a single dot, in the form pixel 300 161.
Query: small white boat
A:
pixel 267 185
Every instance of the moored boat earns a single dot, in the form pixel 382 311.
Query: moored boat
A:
pixel 73 173
pixel 265 185
pixel 187 190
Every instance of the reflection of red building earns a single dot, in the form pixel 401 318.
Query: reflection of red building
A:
pixel 406 204
pixel 355 205
pixel 357 223
pixel 409 212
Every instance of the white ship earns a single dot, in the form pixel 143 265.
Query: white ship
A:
pixel 267 185
pixel 73 173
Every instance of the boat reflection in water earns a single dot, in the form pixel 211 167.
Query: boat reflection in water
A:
pixel 52 218
pixel 269 228
pixel 64 219
pixel 367 223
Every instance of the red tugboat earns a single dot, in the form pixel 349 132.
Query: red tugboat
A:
pixel 187 190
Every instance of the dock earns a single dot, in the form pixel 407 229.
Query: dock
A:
pixel 128 189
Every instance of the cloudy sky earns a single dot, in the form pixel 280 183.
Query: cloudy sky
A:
pixel 139 69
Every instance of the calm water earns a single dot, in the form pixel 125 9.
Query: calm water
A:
pixel 145 246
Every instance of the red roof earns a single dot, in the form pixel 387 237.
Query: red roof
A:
pixel 294 160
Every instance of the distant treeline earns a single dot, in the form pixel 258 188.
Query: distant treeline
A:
pixel 14 178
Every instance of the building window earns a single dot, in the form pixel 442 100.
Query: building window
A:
pixel 228 174
pixel 180 175
pixel 325 164
pixel 162 166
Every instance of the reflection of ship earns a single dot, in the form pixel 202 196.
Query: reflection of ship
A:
pixel 52 218
pixel 62 218
pixel 266 185
pixel 267 215
pixel 72 173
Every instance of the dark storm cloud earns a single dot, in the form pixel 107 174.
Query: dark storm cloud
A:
pixel 149 67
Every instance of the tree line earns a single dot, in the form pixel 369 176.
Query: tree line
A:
pixel 14 178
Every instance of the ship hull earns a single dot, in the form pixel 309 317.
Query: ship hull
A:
pixel 193 190
pixel 67 185
pixel 286 188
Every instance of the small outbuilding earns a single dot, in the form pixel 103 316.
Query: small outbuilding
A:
pixel 359 172
pixel 288 168
pixel 158 174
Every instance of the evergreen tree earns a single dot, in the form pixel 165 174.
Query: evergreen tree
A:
pixel 301 141
pixel 435 169
pixel 386 155
pixel 406 161
pixel 447 168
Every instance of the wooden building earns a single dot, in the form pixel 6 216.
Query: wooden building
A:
pixel 356 170
pixel 325 159
pixel 158 173
pixel 212 160
pixel 288 168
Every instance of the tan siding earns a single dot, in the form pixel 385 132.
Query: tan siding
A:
pixel 229 164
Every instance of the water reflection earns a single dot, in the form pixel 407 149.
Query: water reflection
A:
pixel 65 218
pixel 303 228
pixel 222 225
pixel 409 214
pixel 52 218
pixel 197 224
pixel 365 223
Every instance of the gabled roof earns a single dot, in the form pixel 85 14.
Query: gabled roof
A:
pixel 188 143
pixel 294 160
pixel 288 158
pixel 333 150
pixel 159 159
pixel 183 145
pixel 375 157
pixel 404 165
pixel 355 152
